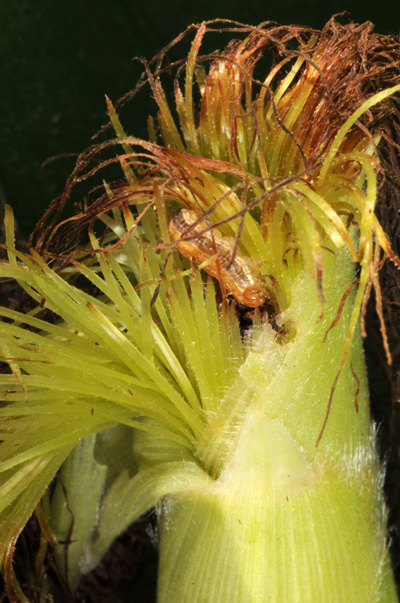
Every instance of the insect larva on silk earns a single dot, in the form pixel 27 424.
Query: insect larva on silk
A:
pixel 239 276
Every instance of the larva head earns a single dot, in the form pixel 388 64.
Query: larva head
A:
pixel 253 297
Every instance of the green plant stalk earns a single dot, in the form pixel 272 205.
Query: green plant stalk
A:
pixel 287 520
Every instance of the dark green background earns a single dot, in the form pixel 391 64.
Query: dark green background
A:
pixel 58 58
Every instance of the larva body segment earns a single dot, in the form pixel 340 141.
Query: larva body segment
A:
pixel 238 277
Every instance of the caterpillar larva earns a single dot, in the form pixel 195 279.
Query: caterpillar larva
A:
pixel 239 277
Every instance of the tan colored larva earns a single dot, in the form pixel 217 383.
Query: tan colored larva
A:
pixel 237 277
